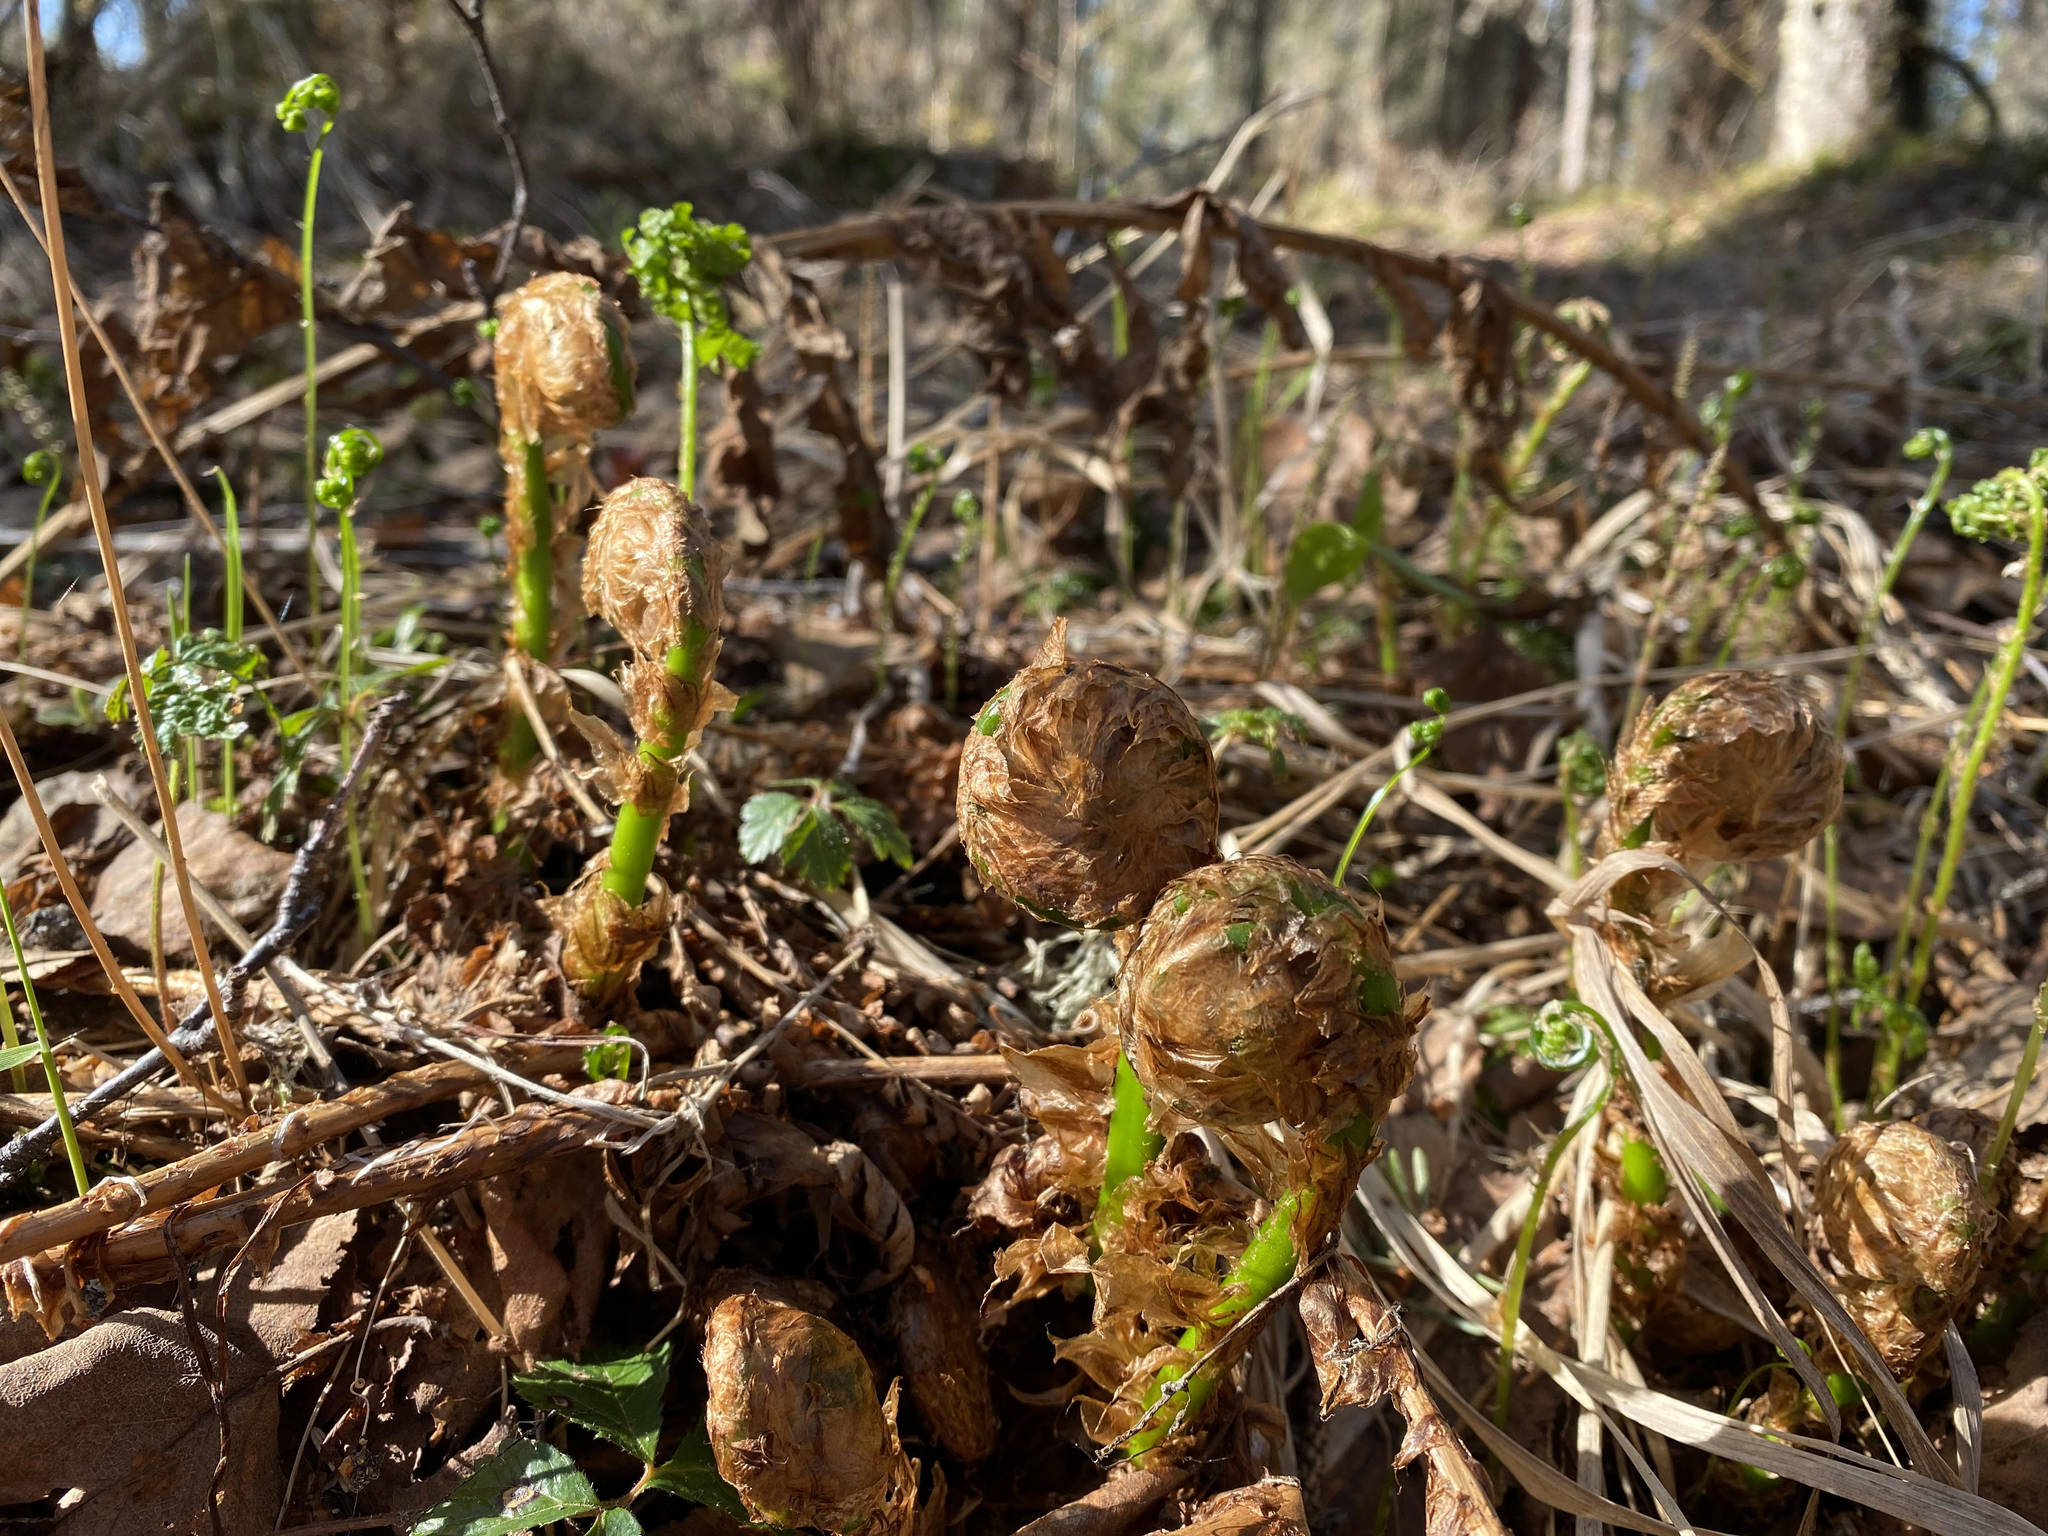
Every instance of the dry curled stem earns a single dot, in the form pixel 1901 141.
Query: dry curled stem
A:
pixel 654 572
pixel 795 1423
pixel 564 368
pixel 1258 992
pixel 1084 788
pixel 1729 767
pixel 1906 1226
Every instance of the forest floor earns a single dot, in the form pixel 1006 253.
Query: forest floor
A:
pixel 437 1234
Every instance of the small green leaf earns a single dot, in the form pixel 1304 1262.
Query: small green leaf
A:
pixel 616 1521
pixel 18 1055
pixel 692 1473
pixel 617 1396
pixel 610 1061
pixel 878 828
pixel 1322 553
pixel 525 1486
pixel 817 851
pixel 766 821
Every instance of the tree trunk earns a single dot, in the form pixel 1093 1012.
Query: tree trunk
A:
pixel 794 24
pixel 1835 61
pixel 1576 130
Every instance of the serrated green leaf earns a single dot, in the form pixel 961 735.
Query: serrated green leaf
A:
pixel 617 1521
pixel 525 1486
pixel 766 821
pixel 817 851
pixel 1322 553
pixel 618 1396
pixel 18 1055
pixel 878 828
pixel 692 1473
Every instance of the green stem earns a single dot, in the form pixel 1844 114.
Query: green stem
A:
pixel 2005 670
pixel 312 361
pixel 230 618
pixel 345 686
pixel 59 1105
pixel 28 570
pixel 636 834
pixel 1267 1264
pixel 686 391
pixel 1129 1145
pixel 533 603
pixel 1371 808
pixel 2030 1056
pixel 533 577
pixel 1525 1247
pixel 899 561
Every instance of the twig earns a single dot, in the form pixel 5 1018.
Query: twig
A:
pixel 296 909
pixel 879 236
pixel 471 15
pixel 133 1255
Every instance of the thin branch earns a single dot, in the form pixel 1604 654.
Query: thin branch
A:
pixel 471 15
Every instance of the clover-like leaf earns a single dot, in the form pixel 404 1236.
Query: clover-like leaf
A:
pixel 616 1396
pixel 817 850
pixel 877 826
pixel 523 1487
pixel 195 687
pixel 765 821
pixel 691 1473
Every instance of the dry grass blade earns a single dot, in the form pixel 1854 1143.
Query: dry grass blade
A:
pixel 82 910
pixel 88 472
pixel 1710 1144
pixel 1905 1494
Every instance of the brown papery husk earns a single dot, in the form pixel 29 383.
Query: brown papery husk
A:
pixel 563 364
pixel 795 1423
pixel 1729 767
pixel 1085 787
pixel 1905 1226
pixel 605 941
pixel 1259 992
pixel 1270 1507
pixel 652 567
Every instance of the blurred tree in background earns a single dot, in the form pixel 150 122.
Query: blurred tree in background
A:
pixel 780 111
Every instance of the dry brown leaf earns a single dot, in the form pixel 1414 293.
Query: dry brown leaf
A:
pixel 122 1415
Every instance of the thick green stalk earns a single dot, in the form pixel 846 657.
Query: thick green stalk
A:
pixel 2005 670
pixel 1129 1145
pixel 533 604
pixel 230 618
pixel 533 578
pixel 686 391
pixel 1267 1264
pixel 59 1105
pixel 312 361
pixel 28 571
pixel 636 834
